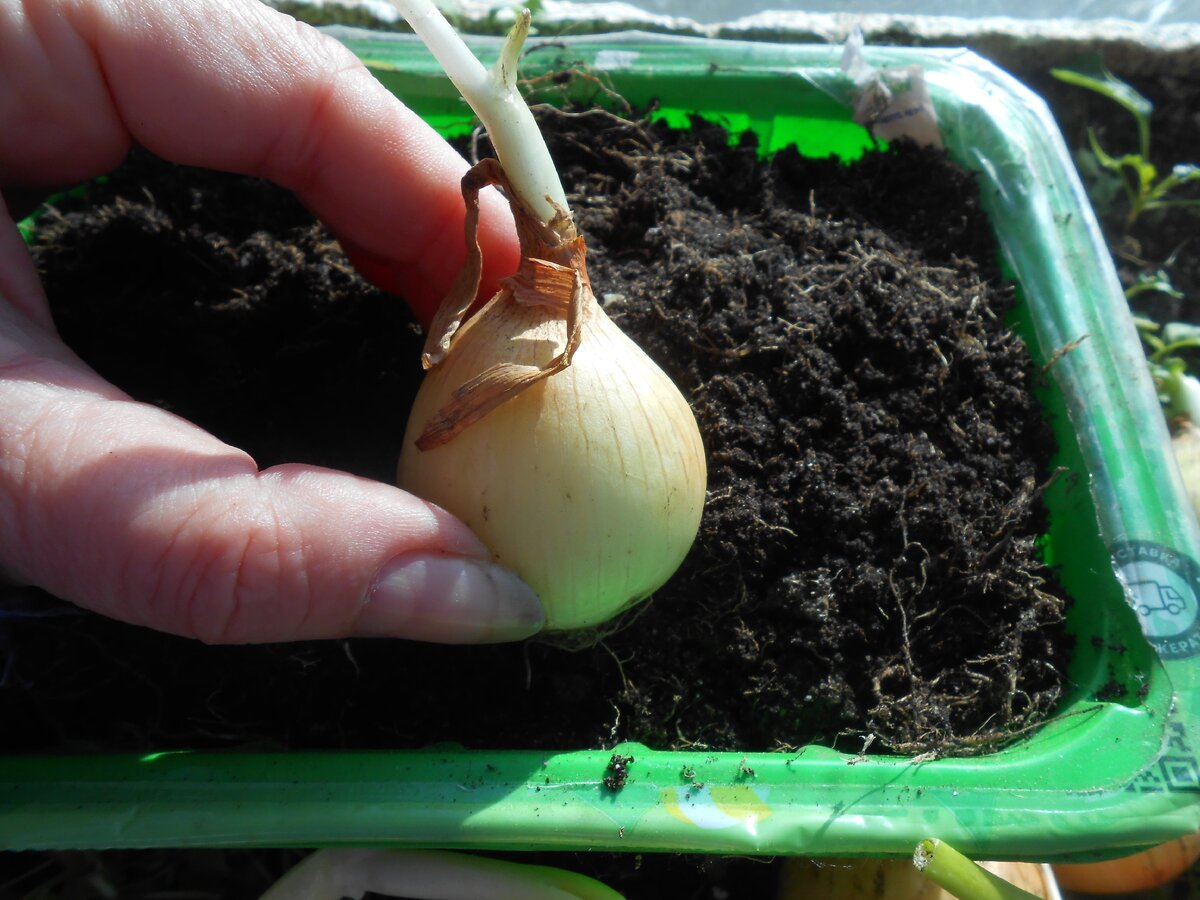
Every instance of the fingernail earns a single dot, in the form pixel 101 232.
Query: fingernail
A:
pixel 450 600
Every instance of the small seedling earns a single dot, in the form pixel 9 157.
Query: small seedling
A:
pixel 1158 282
pixel 1132 173
pixel 1168 347
pixel 1165 343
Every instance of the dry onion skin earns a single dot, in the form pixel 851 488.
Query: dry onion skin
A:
pixel 571 455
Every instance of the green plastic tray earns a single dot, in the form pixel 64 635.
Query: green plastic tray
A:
pixel 1121 773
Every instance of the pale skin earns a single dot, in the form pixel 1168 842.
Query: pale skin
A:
pixel 133 512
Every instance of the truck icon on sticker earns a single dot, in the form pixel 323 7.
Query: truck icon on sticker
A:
pixel 1162 586
pixel 1169 599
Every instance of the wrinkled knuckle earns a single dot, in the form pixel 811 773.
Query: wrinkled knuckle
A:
pixel 298 157
pixel 34 448
pixel 236 577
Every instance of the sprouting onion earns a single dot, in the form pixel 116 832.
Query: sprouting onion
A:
pixel 964 879
pixel 880 878
pixel 877 878
pixel 429 875
pixel 540 424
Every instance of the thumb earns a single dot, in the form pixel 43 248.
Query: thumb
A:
pixel 140 515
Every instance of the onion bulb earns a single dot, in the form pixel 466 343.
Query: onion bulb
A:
pixel 1186 444
pixel 860 879
pixel 893 879
pixel 1180 395
pixel 1139 872
pixel 540 424
pixel 335 873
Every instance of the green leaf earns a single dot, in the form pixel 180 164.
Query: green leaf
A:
pixel 1159 283
pixel 1174 332
pixel 1147 172
pixel 1108 162
pixel 1106 84
pixel 1104 186
pixel 1181 174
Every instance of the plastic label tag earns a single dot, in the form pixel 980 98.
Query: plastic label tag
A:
pixel 892 102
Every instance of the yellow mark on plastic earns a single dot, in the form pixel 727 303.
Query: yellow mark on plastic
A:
pixel 719 806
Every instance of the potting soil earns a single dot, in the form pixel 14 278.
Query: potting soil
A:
pixel 866 573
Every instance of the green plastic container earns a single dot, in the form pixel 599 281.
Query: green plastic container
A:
pixel 1108 775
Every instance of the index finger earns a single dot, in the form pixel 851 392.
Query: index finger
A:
pixel 237 86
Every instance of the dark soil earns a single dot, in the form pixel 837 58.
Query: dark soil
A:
pixel 866 564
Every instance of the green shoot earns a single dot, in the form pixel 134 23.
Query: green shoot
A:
pixel 1134 174
pixel 1137 175
pixel 1165 345
pixel 1153 283
pixel 1178 391
pixel 429 875
pixel 1116 90
pixel 953 872
pixel 1175 338
pixel 493 95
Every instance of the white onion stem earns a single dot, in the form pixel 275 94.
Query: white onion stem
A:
pixel 494 97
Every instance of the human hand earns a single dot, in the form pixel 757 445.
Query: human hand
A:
pixel 129 510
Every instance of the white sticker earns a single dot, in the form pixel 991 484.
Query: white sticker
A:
pixel 1162 586
pixel 891 102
